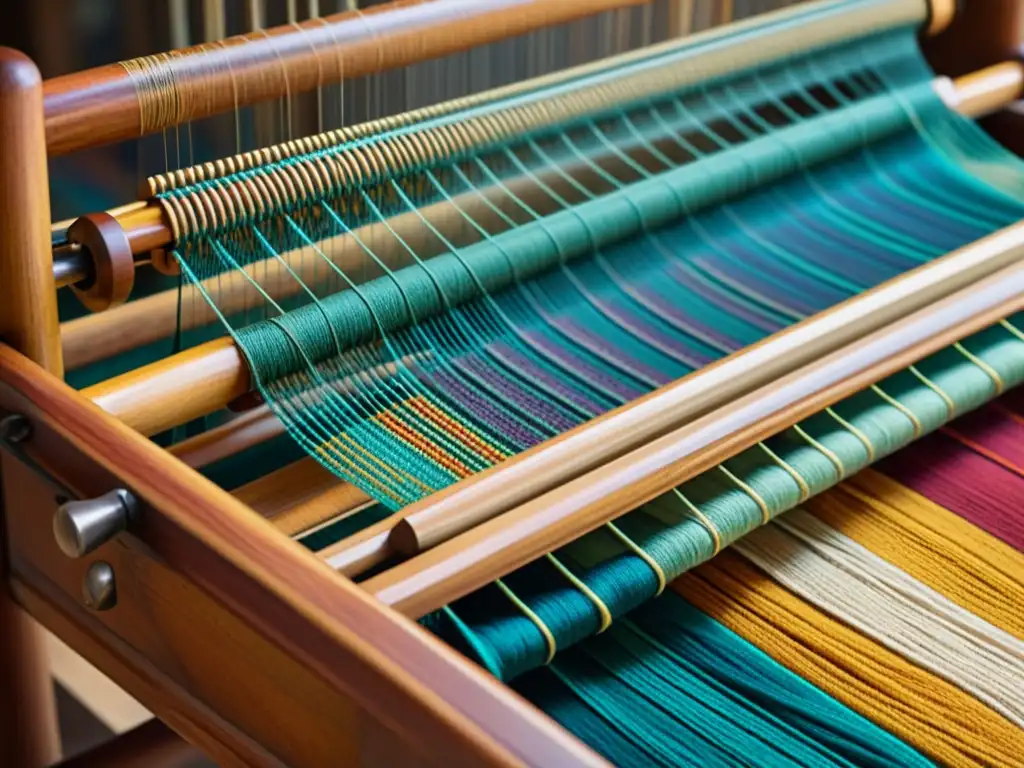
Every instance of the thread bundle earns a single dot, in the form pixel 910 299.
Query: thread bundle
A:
pixel 550 605
pixel 902 612
pixel 990 457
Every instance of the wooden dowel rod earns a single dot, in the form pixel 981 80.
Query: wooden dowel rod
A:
pixel 246 430
pixel 468 562
pixel 146 228
pixel 114 102
pixel 174 391
pixel 987 90
pixel 363 550
pixel 300 496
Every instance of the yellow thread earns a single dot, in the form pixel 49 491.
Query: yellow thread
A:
pixel 399 476
pixel 465 433
pixel 528 612
pixel 161 102
pixel 766 513
pixel 341 462
pixel 989 371
pixel 856 432
pixel 924 710
pixel 915 422
pixel 1012 329
pixel 950 405
pixel 639 552
pixel 703 519
pixel 602 609
pixel 805 489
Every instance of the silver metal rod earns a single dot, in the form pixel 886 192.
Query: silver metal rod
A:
pixel 71 264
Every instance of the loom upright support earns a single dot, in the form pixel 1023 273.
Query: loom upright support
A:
pixel 28 322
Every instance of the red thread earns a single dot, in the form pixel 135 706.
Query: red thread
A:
pixel 958 472
pixel 990 433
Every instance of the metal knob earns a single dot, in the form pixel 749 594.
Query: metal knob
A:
pixel 99 588
pixel 83 526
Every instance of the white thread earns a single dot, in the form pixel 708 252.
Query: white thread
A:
pixel 848 581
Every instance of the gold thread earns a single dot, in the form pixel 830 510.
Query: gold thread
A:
pixel 805 490
pixel 537 620
pixel 950 405
pixel 824 450
pixel 766 513
pixel 856 432
pixel 703 519
pixel 572 578
pixel 639 552
pixel 156 88
pixel 989 371
pixel 915 422
pixel 1012 328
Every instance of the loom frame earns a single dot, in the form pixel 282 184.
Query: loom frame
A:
pixel 345 665
pixel 202 563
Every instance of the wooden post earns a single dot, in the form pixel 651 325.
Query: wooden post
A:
pixel 984 33
pixel 28 322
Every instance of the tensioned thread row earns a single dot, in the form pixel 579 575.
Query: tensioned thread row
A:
pixel 218 205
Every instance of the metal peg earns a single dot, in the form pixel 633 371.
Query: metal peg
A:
pixel 83 526
pixel 14 429
pixel 99 590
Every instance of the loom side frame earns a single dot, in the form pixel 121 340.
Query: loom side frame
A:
pixel 28 318
pixel 294 637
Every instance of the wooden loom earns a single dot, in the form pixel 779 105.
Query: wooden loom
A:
pixel 309 668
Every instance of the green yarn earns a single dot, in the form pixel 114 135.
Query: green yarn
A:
pixel 347 319
pixel 671 687
pixel 424 364
pixel 676 537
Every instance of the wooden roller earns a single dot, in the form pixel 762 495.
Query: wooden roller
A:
pixel 123 101
pixel 140 96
